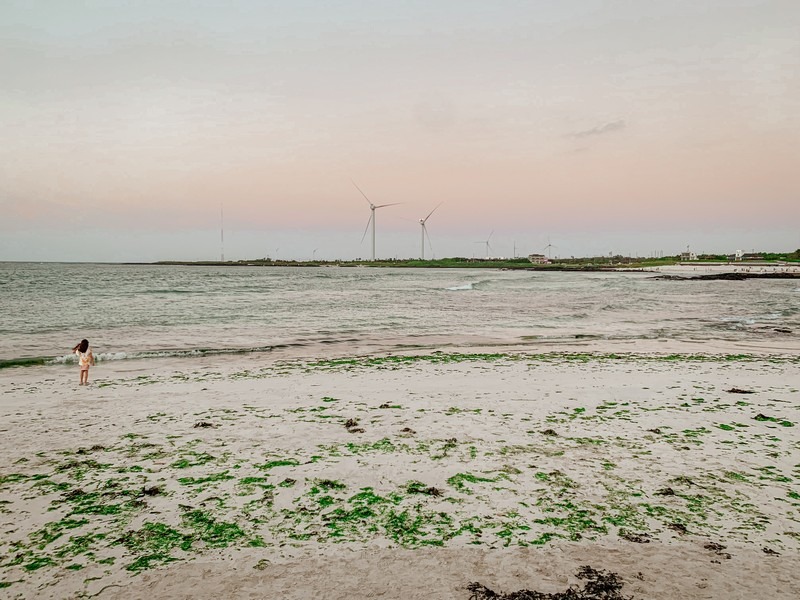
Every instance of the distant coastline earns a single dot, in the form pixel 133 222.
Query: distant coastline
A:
pixel 783 268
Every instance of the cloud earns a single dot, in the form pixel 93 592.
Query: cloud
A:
pixel 600 129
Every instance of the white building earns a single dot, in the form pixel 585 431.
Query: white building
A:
pixel 538 259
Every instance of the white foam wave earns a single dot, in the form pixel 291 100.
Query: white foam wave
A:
pixel 459 288
pixel 67 358
pixel 71 358
pixel 109 356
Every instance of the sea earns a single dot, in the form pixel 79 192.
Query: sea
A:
pixel 156 312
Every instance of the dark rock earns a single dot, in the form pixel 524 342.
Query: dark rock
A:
pixel 729 276
pixel 679 527
pixel 352 426
pixel 599 585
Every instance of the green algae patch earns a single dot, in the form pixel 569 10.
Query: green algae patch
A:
pixel 367 514
pixel 413 528
pixel 330 484
pixel 459 480
pixel 442 358
pixel 100 502
pixel 54 530
pixel 325 501
pixel 286 462
pixel 39 562
pixel 153 538
pixel 777 420
pixel 153 544
pixel 200 480
pixel 12 478
pixel 149 561
pixel 79 544
pixel 195 460
pixel 400 360
pixel 79 469
pixel 213 533
pixel 382 445
pixel 248 485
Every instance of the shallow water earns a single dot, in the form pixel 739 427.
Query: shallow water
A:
pixel 140 311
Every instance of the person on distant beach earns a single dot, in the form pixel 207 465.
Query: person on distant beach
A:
pixel 85 360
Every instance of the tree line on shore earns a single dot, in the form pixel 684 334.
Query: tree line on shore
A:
pixel 576 263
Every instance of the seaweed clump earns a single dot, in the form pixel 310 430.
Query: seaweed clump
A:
pixel 599 585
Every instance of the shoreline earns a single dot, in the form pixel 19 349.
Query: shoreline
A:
pixel 508 469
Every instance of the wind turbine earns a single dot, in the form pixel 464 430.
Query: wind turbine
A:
pixel 425 231
pixel 548 247
pixel 486 241
pixel 221 234
pixel 372 208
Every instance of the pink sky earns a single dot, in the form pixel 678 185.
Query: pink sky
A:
pixel 592 121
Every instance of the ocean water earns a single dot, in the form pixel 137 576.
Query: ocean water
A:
pixel 133 312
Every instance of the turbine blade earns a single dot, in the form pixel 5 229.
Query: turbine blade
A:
pixel 490 236
pixel 433 211
pixel 392 204
pixel 362 193
pixel 366 229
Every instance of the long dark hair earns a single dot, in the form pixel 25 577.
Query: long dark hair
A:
pixel 82 347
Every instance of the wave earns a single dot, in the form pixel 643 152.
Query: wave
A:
pixel 109 356
pixel 613 306
pixel 170 291
pixel 38 361
pixel 469 286
pixel 458 288
pixel 753 319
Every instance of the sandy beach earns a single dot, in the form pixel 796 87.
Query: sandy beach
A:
pixel 403 476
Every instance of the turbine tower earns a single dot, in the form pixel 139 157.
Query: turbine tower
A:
pixel 221 235
pixel 425 232
pixel 372 208
pixel 486 242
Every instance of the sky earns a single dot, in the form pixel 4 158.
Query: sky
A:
pixel 134 130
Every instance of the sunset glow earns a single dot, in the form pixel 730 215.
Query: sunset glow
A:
pixel 608 126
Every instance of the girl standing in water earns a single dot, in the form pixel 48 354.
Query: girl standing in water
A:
pixel 85 359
